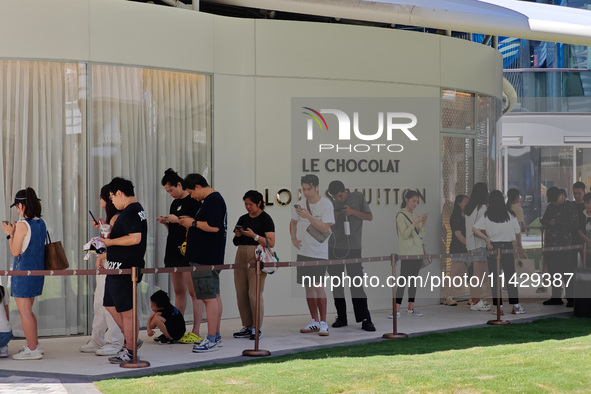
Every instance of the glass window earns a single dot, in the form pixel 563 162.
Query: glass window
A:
pixel 584 167
pixel 42 138
pixel 141 122
pixel 532 170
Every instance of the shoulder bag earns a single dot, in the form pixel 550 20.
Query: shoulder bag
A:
pixel 55 256
pixel 266 255
pixel 314 232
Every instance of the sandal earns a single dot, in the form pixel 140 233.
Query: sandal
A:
pixel 190 338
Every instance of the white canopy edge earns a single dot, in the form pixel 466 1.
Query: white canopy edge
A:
pixel 509 18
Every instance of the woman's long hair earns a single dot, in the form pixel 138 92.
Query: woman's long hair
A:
pixel 457 210
pixel 478 198
pixel 497 209
pixel 512 196
pixel 28 198
pixel 109 208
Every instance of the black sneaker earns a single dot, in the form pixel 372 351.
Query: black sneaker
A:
pixel 252 336
pixel 161 338
pixel 339 323
pixel 243 333
pixel 367 325
pixel 570 303
pixel 123 357
pixel 553 301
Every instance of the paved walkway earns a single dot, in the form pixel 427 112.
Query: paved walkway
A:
pixel 65 369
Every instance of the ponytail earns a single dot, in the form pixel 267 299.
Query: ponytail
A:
pixel 407 196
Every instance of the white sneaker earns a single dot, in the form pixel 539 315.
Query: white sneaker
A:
pixel 323 332
pixel 481 306
pixel 392 315
pixel 108 350
pixel 494 310
pixel 518 309
pixel 4 351
pixel 89 347
pixel 413 313
pixel 28 354
pixel 313 326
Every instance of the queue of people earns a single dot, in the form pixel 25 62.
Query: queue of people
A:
pixel 320 229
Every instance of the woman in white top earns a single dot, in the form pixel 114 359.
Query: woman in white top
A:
pixel 501 229
pixel 474 211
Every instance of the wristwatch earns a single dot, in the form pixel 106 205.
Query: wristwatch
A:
pixel 9 236
pixel 194 224
pixel 256 238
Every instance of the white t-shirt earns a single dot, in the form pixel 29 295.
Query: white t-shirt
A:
pixel 323 211
pixel 499 232
pixel 472 241
pixel 4 323
pixel 27 238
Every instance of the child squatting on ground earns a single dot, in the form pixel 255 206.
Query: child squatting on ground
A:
pixel 166 318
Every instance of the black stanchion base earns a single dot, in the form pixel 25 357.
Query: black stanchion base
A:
pixel 256 353
pixel 498 322
pixel 394 336
pixel 137 364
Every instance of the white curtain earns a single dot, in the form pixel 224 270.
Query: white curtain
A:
pixel 141 122
pixel 42 143
pixel 144 122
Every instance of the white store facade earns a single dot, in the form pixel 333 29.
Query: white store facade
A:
pixel 95 89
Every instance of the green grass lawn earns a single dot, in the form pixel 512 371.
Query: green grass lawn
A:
pixel 549 355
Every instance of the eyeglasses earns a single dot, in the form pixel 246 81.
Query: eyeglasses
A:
pixel 111 195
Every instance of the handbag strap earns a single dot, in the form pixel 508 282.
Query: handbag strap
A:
pixel 48 239
pixel 410 221
pixel 308 206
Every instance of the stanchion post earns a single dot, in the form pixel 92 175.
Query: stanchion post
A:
pixel 395 333
pixel 135 363
pixel 498 322
pixel 256 352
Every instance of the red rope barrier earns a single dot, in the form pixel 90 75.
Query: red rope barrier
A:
pixel 127 271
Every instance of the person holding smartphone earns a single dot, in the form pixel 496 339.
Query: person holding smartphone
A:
pixel 310 223
pixel 254 228
pixel 182 205
pixel 26 240
pixel 106 338
pixel 411 229
pixel 351 210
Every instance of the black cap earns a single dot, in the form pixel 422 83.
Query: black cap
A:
pixel 19 198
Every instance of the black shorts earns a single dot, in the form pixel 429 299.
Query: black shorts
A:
pixel 176 328
pixel 314 272
pixel 119 292
pixel 176 263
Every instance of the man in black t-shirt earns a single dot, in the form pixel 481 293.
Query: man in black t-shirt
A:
pixel 126 247
pixel 206 245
